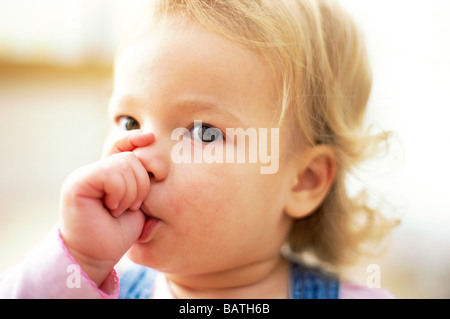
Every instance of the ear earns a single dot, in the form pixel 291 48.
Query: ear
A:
pixel 313 177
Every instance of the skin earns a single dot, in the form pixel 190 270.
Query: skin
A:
pixel 221 225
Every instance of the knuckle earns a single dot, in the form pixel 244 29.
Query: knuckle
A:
pixel 124 159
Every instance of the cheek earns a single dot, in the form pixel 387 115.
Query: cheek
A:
pixel 214 208
pixel 205 194
pixel 224 199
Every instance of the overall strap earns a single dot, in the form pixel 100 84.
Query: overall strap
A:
pixel 307 283
pixel 137 283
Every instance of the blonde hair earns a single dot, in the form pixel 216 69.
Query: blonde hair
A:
pixel 326 83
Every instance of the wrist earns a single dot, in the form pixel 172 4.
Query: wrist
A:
pixel 95 269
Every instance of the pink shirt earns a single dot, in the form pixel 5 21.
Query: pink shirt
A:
pixel 49 271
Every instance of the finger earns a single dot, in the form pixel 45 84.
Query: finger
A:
pixel 131 223
pixel 142 182
pixel 129 197
pixel 125 168
pixel 114 187
pixel 131 141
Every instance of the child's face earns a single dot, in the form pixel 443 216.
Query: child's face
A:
pixel 213 216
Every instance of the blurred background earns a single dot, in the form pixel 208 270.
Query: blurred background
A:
pixel 56 76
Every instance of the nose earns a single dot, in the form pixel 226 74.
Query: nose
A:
pixel 154 159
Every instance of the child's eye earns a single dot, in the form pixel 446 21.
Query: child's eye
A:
pixel 206 133
pixel 128 123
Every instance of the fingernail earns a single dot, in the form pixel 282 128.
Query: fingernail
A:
pixel 136 205
pixel 115 213
pixel 112 206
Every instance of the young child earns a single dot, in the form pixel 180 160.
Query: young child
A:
pixel 204 228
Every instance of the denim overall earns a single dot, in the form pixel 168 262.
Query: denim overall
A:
pixel 305 283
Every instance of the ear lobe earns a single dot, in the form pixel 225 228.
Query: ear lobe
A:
pixel 314 177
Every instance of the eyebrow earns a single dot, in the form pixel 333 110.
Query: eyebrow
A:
pixel 187 105
pixel 198 106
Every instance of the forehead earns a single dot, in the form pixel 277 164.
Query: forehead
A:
pixel 175 61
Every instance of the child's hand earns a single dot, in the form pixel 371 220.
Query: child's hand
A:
pixel 100 207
